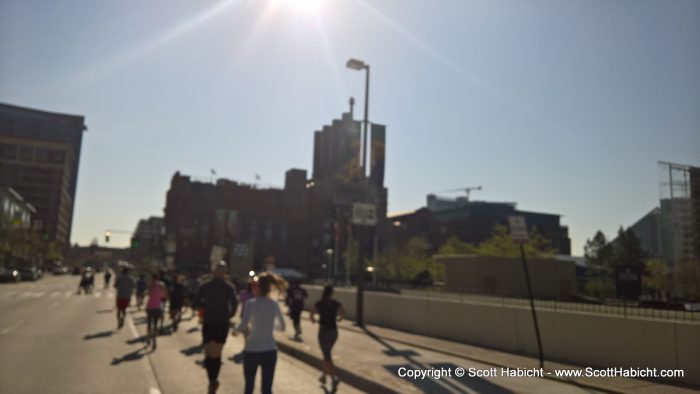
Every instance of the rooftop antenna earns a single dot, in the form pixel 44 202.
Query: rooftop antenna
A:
pixel 352 104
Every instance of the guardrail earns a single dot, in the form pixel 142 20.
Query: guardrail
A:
pixel 623 309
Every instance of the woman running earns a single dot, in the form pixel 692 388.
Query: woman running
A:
pixel 330 312
pixel 156 293
pixel 261 312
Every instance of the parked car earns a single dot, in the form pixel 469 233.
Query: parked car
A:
pixel 9 275
pixel 62 270
pixel 29 273
pixel 76 271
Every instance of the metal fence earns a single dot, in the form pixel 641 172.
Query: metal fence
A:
pixel 618 308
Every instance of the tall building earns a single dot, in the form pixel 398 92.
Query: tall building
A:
pixel 39 158
pixel 291 227
pixel 147 240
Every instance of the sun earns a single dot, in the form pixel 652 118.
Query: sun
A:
pixel 299 5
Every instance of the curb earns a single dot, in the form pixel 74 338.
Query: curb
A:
pixel 345 375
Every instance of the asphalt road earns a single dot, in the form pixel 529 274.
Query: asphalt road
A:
pixel 53 340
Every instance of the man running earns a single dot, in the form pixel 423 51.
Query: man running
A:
pixel 295 301
pixel 156 294
pixel 218 298
pixel 141 290
pixel 125 288
pixel 177 301
pixel 107 277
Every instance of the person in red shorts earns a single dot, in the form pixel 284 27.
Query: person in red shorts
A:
pixel 125 288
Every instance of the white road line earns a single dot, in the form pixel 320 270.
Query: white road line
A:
pixel 68 294
pixel 55 304
pixel 39 294
pixel 150 375
pixel 26 294
pixel 6 330
pixel 9 294
pixel 55 294
pixel 98 294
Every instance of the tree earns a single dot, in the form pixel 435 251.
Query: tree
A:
pixel 454 245
pixel 689 279
pixel 598 253
pixel 627 249
pixel 655 277
pixel 404 262
pixel 501 244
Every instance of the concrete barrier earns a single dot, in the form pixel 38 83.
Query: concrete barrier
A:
pixel 578 338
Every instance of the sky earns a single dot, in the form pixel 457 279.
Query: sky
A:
pixel 563 107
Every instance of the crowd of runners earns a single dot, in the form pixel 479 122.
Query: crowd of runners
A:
pixel 215 299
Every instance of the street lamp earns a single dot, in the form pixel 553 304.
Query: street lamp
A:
pixel 329 253
pixel 359 65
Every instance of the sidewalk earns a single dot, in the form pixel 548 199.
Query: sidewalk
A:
pixel 371 358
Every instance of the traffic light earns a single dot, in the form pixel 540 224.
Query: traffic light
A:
pixel 135 243
pixel 107 235
pixel 45 237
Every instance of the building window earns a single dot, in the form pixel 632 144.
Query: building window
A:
pixel 8 151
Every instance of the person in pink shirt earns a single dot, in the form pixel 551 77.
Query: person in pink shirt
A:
pixel 156 294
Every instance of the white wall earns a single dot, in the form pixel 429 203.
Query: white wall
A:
pixel 583 339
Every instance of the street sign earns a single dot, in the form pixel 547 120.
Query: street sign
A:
pixel 518 229
pixel 364 214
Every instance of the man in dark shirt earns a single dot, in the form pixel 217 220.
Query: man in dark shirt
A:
pixel 295 301
pixel 177 301
pixel 218 298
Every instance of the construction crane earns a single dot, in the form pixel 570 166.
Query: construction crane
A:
pixel 464 189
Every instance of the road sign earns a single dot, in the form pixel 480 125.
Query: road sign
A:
pixel 364 214
pixel 518 229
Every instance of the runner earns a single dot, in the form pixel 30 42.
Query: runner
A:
pixel 192 287
pixel 140 290
pixel 330 311
pixel 295 301
pixel 218 299
pixel 245 295
pixel 261 313
pixel 108 277
pixel 125 288
pixel 156 293
pixel 177 301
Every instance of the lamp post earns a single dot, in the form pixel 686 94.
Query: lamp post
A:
pixel 329 253
pixel 359 65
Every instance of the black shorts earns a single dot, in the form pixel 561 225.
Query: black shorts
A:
pixel 215 332
pixel 295 314
pixel 152 316
pixel 326 339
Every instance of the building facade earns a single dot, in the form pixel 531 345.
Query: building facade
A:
pixel 472 222
pixel 297 226
pixel 39 158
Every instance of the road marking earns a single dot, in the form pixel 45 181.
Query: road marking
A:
pixel 9 294
pixel 97 294
pixel 6 330
pixel 26 294
pixel 68 294
pixel 55 294
pixel 55 304
pixel 110 294
pixel 150 374
pixel 39 294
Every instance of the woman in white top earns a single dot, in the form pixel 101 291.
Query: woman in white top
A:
pixel 262 315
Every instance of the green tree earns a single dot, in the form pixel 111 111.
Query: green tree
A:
pixel 655 277
pixel 454 245
pixel 627 249
pixel 404 262
pixel 501 244
pixel 598 253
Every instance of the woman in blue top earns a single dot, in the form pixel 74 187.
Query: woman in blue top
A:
pixel 262 315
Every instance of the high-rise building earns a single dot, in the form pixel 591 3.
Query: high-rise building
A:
pixel 39 158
